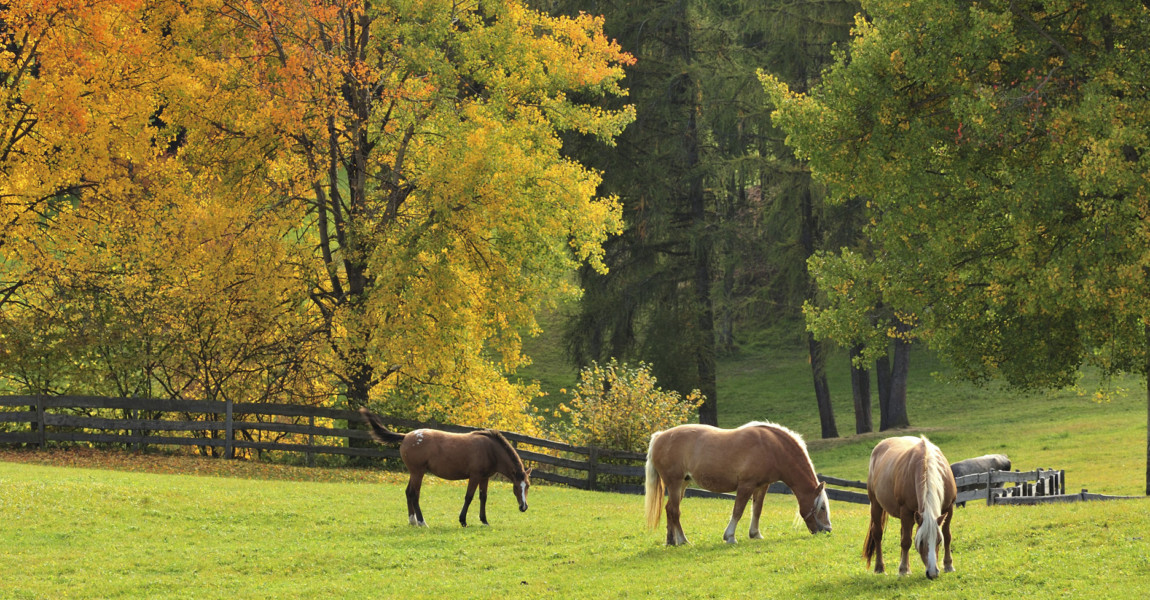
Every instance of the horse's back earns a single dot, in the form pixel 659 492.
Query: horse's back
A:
pixel 442 453
pixel 895 468
pixel 718 459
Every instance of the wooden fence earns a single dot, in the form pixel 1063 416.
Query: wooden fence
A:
pixel 1040 486
pixel 223 428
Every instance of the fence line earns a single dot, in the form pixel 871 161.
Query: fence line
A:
pixel 53 419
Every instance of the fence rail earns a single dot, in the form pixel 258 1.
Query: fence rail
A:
pixel 223 429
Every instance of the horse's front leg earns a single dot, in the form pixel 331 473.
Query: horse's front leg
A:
pixel 756 511
pixel 483 501
pixel 471 485
pixel 907 538
pixel 948 562
pixel 741 496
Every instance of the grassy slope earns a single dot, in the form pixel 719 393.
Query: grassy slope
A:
pixel 1101 445
pixel 86 533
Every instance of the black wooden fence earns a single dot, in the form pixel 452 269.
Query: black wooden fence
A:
pixel 222 428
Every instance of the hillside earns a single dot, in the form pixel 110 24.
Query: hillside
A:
pixel 1100 442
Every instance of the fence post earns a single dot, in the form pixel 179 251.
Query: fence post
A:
pixel 592 468
pixel 989 488
pixel 229 437
pixel 311 442
pixel 43 441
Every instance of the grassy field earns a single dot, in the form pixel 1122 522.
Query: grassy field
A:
pixel 91 524
pixel 270 532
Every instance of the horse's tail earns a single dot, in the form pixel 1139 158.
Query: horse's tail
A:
pixel 870 545
pixel 653 499
pixel 378 431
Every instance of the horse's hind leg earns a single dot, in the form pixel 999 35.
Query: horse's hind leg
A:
pixel 874 536
pixel 471 485
pixel 483 501
pixel 948 562
pixel 744 493
pixel 675 489
pixel 414 514
pixel 756 511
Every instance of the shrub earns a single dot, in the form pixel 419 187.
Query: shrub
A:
pixel 619 406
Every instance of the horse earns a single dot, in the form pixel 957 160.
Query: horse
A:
pixel 908 477
pixel 474 456
pixel 980 464
pixel 745 460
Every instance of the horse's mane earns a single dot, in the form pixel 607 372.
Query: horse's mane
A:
pixel 931 487
pixel 797 437
pixel 802 444
pixel 502 442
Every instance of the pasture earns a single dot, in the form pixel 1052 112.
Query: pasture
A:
pixel 200 528
pixel 106 524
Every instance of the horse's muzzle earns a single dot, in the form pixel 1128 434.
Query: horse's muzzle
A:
pixel 522 507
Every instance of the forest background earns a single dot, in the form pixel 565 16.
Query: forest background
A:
pixel 361 203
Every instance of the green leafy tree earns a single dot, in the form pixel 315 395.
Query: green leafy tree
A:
pixel 1002 149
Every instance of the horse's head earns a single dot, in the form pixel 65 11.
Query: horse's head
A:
pixel 926 541
pixel 520 485
pixel 817 515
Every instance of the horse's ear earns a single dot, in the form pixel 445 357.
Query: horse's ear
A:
pixel 918 518
pixel 528 471
pixel 821 488
pixel 941 518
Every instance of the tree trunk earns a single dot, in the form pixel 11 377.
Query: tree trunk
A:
pixel 1148 410
pixel 705 315
pixel 900 368
pixel 860 389
pixel 882 373
pixel 822 390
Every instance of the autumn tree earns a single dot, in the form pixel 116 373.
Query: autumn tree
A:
pixel 419 143
pixel 1002 149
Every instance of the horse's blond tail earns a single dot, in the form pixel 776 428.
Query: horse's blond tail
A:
pixel 653 499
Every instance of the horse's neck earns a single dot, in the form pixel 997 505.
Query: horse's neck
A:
pixel 505 463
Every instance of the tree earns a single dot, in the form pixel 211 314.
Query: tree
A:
pixel 1002 149
pixel 420 142
pixel 700 174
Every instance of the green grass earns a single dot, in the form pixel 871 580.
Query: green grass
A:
pixel 84 524
pixel 90 533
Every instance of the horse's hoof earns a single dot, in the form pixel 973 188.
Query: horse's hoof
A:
pixel 948 569
pixel 756 536
pixel 730 540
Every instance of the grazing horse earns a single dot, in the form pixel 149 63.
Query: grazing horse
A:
pixel 909 478
pixel 980 464
pixel 474 456
pixel 744 460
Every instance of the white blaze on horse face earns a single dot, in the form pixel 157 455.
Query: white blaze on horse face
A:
pixel 522 495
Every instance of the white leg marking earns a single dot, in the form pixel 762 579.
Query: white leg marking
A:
pixel 729 534
pixel 411 519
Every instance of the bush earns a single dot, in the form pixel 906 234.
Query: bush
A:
pixel 619 406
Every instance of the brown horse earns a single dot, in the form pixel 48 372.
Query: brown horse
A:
pixel 744 460
pixel 474 456
pixel 909 478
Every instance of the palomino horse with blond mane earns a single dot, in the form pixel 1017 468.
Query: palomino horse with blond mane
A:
pixel 474 456
pixel 909 478
pixel 744 460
